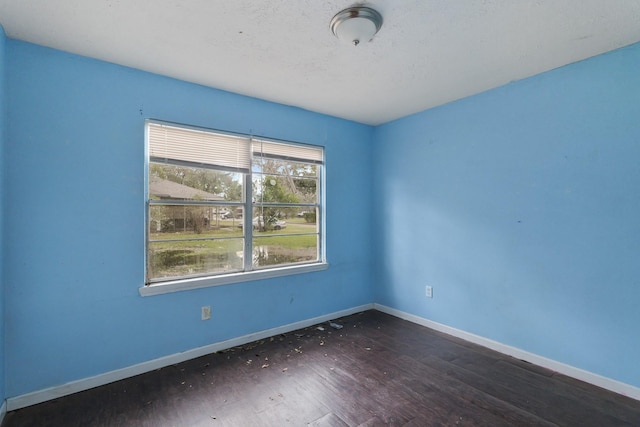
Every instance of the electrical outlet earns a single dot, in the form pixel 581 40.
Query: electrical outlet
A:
pixel 205 312
pixel 429 292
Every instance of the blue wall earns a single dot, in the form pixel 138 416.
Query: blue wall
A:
pixel 3 41
pixel 75 220
pixel 518 205
pixel 521 207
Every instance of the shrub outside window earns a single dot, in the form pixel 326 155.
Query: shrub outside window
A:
pixel 224 204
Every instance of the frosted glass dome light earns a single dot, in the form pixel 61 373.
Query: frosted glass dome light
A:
pixel 356 24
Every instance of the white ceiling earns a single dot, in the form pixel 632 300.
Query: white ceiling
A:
pixel 428 52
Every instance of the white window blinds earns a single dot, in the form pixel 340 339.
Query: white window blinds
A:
pixel 277 150
pixel 169 143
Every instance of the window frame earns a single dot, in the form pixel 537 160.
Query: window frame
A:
pixel 249 272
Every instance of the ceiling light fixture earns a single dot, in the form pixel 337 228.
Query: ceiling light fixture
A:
pixel 356 24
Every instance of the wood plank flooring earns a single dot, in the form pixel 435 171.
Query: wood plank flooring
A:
pixel 377 370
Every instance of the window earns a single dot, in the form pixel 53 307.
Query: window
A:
pixel 223 206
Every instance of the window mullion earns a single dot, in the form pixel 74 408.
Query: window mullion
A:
pixel 248 220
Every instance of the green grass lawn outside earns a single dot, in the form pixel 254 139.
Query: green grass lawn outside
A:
pixel 220 249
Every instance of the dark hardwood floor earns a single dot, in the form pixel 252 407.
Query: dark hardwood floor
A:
pixel 376 370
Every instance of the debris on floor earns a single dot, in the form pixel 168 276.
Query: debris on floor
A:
pixel 335 325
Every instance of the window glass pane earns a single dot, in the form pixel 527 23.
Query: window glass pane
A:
pixel 307 189
pixel 297 219
pixel 171 182
pixel 284 189
pixel 305 220
pixel 194 222
pixel 273 189
pixel 283 167
pixel 186 258
pixel 270 220
pixel 280 250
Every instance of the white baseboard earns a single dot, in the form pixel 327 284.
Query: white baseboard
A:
pixel 568 370
pixel 3 411
pixel 40 396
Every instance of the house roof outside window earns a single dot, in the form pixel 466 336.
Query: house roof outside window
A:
pixel 169 190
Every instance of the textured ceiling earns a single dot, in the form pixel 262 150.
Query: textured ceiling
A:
pixel 428 52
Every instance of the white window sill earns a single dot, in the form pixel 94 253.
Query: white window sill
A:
pixel 205 282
